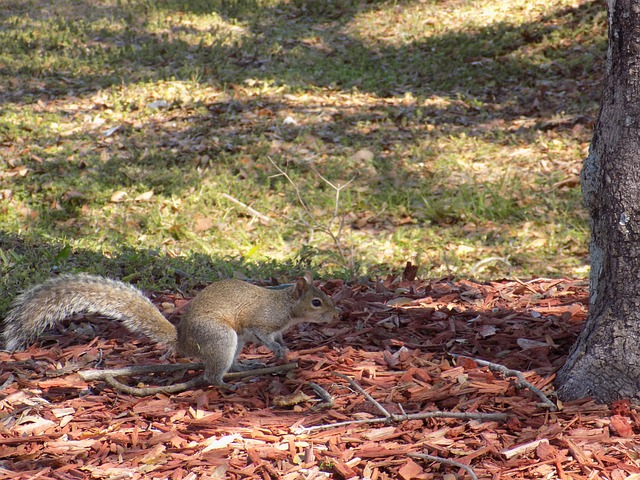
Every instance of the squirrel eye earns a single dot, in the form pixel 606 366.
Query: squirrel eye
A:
pixel 316 302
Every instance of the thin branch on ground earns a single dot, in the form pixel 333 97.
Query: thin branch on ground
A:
pixel 393 418
pixel 8 381
pixel 326 397
pixel 445 461
pixel 483 417
pixel 521 381
pixel 256 372
pixel 99 374
pixel 353 383
pixel 249 209
pixel 109 377
pixel 148 391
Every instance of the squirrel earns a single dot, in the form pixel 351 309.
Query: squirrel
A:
pixel 217 323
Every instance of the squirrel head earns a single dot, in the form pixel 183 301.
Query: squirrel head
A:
pixel 312 304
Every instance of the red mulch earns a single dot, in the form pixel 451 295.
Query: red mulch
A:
pixel 393 340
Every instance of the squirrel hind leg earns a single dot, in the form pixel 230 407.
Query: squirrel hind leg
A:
pixel 218 360
pixel 213 342
pixel 216 347
pixel 216 365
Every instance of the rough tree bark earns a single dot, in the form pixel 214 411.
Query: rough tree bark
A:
pixel 605 361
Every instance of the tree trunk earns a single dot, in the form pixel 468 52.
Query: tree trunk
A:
pixel 605 361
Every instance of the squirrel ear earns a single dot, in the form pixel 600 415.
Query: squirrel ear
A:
pixel 308 276
pixel 302 285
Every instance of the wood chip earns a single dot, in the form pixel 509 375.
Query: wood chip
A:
pixel 395 350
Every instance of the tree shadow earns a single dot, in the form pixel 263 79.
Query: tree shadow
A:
pixel 487 76
pixel 28 261
pixel 314 50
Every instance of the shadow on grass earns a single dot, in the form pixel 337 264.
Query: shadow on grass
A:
pixel 301 44
pixel 27 261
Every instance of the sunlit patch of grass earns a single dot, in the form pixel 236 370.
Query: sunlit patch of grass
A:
pixel 458 128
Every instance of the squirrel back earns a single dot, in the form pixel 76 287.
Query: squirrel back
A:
pixel 43 306
pixel 226 314
pixel 244 306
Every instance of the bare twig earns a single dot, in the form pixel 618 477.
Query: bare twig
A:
pixel 109 377
pixel 8 381
pixel 249 209
pixel 393 418
pixel 256 372
pixel 353 383
pixel 521 381
pixel 326 397
pixel 147 391
pixel 445 461
pixel 98 374
pixel 338 189
pixel 295 188
pixel 483 417
pixel 315 224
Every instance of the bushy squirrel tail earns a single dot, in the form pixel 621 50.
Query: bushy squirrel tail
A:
pixel 43 306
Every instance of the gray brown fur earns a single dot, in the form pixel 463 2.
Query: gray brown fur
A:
pixel 47 304
pixel 227 314
pixel 218 322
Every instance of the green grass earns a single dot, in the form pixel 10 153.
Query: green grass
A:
pixel 122 123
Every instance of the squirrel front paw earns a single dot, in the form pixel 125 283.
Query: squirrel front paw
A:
pixel 278 350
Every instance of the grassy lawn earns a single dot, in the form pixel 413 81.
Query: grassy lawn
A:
pixel 135 134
